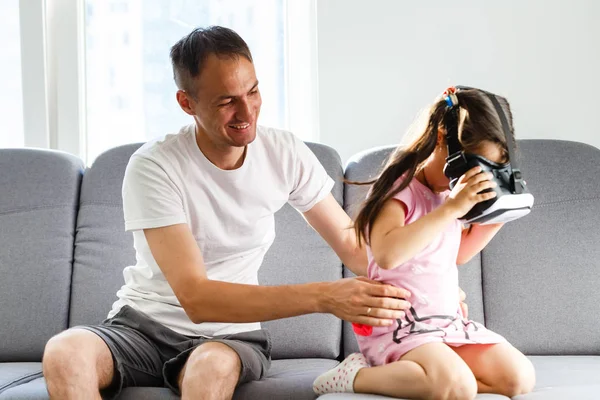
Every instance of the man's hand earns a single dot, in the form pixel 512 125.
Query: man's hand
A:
pixel 463 306
pixel 364 301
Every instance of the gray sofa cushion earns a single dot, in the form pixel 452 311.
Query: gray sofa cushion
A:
pixel 366 166
pixel 300 255
pixel 342 396
pixel 103 249
pixel 581 392
pixel 558 378
pixel 18 373
pixel 541 273
pixel 38 205
pixel 34 390
pixel 287 379
pixel 566 371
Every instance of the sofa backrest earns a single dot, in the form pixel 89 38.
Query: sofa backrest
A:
pixel 103 249
pixel 364 167
pixel 535 283
pixel 300 255
pixel 39 191
pixel 541 273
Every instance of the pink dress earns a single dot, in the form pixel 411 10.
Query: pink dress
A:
pixel 432 278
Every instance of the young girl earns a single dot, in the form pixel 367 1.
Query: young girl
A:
pixel 414 240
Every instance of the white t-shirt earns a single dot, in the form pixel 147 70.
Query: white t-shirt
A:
pixel 230 213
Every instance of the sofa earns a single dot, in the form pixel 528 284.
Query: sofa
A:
pixel 63 248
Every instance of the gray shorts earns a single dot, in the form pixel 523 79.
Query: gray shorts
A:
pixel 146 353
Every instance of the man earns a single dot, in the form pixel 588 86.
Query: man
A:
pixel 201 207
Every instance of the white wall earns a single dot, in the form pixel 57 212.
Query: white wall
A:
pixel 380 61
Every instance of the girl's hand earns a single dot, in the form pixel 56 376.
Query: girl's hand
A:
pixel 467 191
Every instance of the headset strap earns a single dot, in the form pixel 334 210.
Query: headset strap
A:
pixel 516 177
pixel 456 158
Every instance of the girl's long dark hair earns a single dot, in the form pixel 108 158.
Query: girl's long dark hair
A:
pixel 478 122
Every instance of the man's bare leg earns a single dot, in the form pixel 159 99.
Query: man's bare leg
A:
pixel 76 364
pixel 210 373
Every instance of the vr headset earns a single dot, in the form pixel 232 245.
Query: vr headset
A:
pixel 512 200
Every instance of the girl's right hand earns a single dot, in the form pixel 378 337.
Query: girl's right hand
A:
pixel 466 193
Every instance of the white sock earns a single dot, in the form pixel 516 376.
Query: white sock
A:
pixel 341 378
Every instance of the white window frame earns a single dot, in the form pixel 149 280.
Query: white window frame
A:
pixel 53 67
pixel 67 57
pixel 32 23
pixel 302 69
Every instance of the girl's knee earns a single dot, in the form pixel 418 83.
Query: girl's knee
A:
pixel 457 385
pixel 519 380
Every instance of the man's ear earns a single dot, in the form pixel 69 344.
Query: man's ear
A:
pixel 185 102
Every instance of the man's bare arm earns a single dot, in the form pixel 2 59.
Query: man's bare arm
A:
pixel 330 220
pixel 336 227
pixel 204 300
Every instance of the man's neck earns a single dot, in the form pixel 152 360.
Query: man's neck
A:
pixel 226 158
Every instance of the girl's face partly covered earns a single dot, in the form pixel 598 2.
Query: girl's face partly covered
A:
pixel 432 173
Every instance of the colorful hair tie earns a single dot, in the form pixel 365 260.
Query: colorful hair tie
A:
pixel 450 96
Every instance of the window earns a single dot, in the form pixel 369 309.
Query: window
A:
pixel 11 95
pixel 130 93
pixel 96 74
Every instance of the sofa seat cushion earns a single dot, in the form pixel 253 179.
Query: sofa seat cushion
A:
pixel 566 371
pixel 579 392
pixel 344 396
pixel 287 379
pixel 16 373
